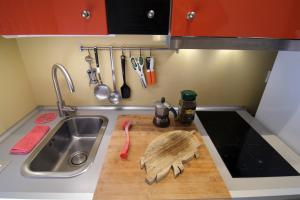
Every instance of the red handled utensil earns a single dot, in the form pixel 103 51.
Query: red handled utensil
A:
pixel 151 79
pixel 148 72
pixel 126 126
pixel 152 71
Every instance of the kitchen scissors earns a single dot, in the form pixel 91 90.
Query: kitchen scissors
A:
pixel 138 66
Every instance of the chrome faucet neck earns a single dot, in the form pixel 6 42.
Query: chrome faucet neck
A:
pixel 62 108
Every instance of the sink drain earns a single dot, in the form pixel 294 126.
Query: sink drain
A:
pixel 78 158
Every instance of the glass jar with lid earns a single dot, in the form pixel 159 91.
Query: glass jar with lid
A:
pixel 187 106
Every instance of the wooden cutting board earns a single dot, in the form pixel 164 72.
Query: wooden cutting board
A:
pixel 169 151
pixel 124 179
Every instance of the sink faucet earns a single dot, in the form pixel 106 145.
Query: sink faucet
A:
pixel 62 108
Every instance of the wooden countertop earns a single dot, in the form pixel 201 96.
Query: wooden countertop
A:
pixel 124 179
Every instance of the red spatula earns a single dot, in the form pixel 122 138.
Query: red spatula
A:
pixel 126 126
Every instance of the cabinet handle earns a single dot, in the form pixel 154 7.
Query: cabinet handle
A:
pixel 190 15
pixel 150 14
pixel 85 14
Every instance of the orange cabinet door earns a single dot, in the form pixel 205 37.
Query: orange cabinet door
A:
pixel 54 17
pixel 236 18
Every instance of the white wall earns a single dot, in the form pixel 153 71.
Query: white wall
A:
pixel 279 109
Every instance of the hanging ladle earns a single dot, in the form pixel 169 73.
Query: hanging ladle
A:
pixel 101 90
pixel 115 96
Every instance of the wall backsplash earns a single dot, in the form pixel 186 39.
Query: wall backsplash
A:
pixel 16 94
pixel 220 77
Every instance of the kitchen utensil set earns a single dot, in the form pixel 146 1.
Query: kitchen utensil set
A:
pixel 103 92
pixel 138 66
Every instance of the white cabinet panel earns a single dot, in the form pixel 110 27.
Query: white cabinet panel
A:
pixel 279 109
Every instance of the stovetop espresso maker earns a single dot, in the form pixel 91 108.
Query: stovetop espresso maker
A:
pixel 162 109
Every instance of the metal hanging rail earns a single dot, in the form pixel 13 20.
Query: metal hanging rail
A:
pixel 85 48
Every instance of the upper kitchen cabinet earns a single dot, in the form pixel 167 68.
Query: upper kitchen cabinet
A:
pixel 236 18
pixel 138 16
pixel 52 17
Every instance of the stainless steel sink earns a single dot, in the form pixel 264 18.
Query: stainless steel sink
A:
pixel 68 150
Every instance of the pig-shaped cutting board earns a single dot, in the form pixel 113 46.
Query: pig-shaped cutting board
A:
pixel 169 150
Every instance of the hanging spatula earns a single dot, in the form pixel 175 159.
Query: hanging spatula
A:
pixel 125 89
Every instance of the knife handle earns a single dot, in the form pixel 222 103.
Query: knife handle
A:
pixel 153 77
pixel 149 78
pixel 148 74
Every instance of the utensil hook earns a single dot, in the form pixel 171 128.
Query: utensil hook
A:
pixel 122 51
pixel 140 52
pixel 129 53
pixel 89 52
pixel 150 52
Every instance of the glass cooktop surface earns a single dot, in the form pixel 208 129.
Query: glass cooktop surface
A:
pixel 244 152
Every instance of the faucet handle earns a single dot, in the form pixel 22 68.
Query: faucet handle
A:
pixel 69 109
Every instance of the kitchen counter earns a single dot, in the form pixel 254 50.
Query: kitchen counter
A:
pixel 14 185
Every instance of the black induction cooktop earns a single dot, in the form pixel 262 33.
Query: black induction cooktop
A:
pixel 244 152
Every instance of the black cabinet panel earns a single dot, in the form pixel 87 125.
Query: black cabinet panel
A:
pixel 132 16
